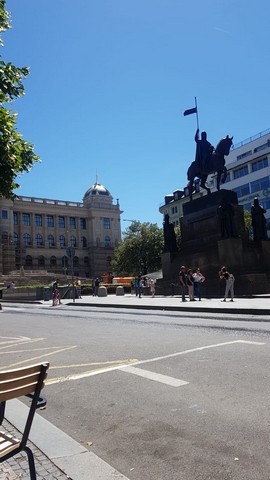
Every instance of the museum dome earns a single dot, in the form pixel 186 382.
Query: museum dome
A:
pixel 97 190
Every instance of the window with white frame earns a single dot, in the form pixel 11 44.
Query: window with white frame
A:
pixel 106 223
pixel 260 184
pixel 26 219
pixel 39 240
pixel 259 164
pixel 240 172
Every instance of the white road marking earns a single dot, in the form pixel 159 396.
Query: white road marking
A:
pixel 157 377
pixel 141 362
pixel 197 349
pixel 12 339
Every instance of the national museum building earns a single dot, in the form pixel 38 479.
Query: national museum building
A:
pixel 43 234
pixel 248 166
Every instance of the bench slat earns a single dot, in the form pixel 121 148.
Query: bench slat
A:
pixel 21 372
pixel 18 392
pixel 7 443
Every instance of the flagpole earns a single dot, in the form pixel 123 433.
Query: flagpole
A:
pixel 197 116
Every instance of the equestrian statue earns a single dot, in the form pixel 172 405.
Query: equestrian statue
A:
pixel 208 160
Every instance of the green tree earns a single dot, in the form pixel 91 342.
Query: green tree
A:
pixel 248 222
pixel 16 155
pixel 178 236
pixel 140 249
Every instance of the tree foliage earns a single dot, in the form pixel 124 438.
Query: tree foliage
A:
pixel 248 222
pixel 140 249
pixel 16 155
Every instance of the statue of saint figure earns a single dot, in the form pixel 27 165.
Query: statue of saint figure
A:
pixel 169 235
pixel 204 150
pixel 258 221
pixel 225 213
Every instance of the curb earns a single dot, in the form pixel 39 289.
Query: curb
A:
pixel 169 308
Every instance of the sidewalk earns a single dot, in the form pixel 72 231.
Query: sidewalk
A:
pixel 256 305
pixel 57 456
pixel 63 458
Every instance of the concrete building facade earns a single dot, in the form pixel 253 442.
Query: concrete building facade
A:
pixel 248 167
pixel 61 237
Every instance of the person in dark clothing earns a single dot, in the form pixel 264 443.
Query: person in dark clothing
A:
pixel 190 285
pixel 183 282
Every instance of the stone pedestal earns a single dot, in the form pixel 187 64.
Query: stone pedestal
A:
pixel 206 245
pixel 230 252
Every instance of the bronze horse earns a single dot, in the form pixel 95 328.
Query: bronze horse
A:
pixel 216 163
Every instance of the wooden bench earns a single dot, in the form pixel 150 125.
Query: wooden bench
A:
pixel 27 381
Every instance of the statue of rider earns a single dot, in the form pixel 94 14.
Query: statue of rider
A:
pixel 204 150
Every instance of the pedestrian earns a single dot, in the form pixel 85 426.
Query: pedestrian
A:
pixel 79 288
pixel 229 277
pixel 55 287
pixel 138 285
pixel 97 283
pixel 55 297
pixel 190 285
pixel 198 278
pixel 152 287
pixel 183 282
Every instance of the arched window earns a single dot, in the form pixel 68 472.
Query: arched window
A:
pixel 64 261
pixel 76 262
pixel 28 261
pixel 86 260
pixel 53 261
pixel 107 241
pixel 39 240
pixel 41 261
pixel 84 242
pixel 73 241
pixel 26 239
pixel 51 240
pixel 62 241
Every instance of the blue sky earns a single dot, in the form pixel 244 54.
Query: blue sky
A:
pixel 109 81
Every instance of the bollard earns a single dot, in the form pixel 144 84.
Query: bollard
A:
pixel 120 290
pixel 102 291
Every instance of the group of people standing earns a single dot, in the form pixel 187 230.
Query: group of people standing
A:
pixel 139 282
pixel 191 281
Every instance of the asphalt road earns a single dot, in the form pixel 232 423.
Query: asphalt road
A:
pixel 158 396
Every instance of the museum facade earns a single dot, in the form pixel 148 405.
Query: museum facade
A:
pixel 60 237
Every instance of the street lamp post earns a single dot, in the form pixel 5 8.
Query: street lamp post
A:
pixel 71 254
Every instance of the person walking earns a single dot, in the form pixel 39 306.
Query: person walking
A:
pixel 198 278
pixel 79 288
pixel 190 285
pixel 57 295
pixel 97 283
pixel 229 277
pixel 152 287
pixel 183 282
